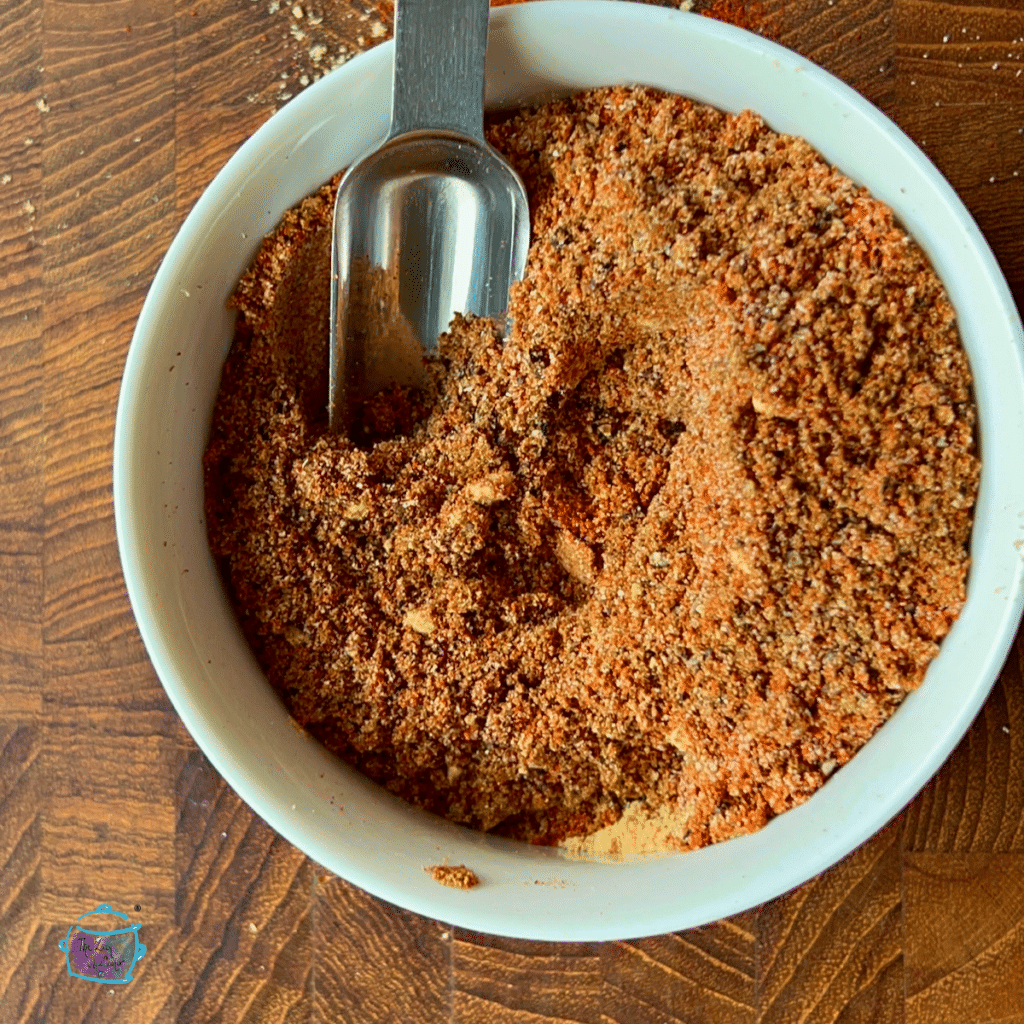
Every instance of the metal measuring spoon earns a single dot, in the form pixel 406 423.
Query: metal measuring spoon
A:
pixel 432 223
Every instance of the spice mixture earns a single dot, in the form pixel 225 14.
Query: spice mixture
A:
pixel 684 539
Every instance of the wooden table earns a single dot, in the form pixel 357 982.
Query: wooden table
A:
pixel 115 115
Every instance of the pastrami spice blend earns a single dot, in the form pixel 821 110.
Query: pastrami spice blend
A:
pixel 683 540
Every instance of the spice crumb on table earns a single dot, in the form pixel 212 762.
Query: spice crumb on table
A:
pixel 683 541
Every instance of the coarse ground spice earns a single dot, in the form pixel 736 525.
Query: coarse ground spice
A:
pixel 684 540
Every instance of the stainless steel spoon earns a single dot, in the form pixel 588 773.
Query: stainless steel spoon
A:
pixel 430 223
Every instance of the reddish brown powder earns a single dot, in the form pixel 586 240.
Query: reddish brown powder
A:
pixel 687 536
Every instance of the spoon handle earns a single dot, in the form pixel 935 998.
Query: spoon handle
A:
pixel 439 66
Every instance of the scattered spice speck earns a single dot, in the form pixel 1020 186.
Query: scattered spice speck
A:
pixel 455 876
pixel 314 38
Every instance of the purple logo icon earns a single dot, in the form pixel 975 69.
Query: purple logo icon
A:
pixel 104 956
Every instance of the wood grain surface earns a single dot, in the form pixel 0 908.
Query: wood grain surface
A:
pixel 114 115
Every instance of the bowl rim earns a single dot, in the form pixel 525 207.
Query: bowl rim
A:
pixel 549 15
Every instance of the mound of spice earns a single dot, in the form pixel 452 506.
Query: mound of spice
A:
pixel 683 540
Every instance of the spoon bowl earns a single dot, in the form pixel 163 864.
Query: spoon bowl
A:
pixel 431 223
pixel 427 226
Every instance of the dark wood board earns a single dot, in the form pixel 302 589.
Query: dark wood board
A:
pixel 115 115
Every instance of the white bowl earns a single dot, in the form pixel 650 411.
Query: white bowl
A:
pixel 329 811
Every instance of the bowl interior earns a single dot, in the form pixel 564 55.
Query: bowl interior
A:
pixel 336 816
